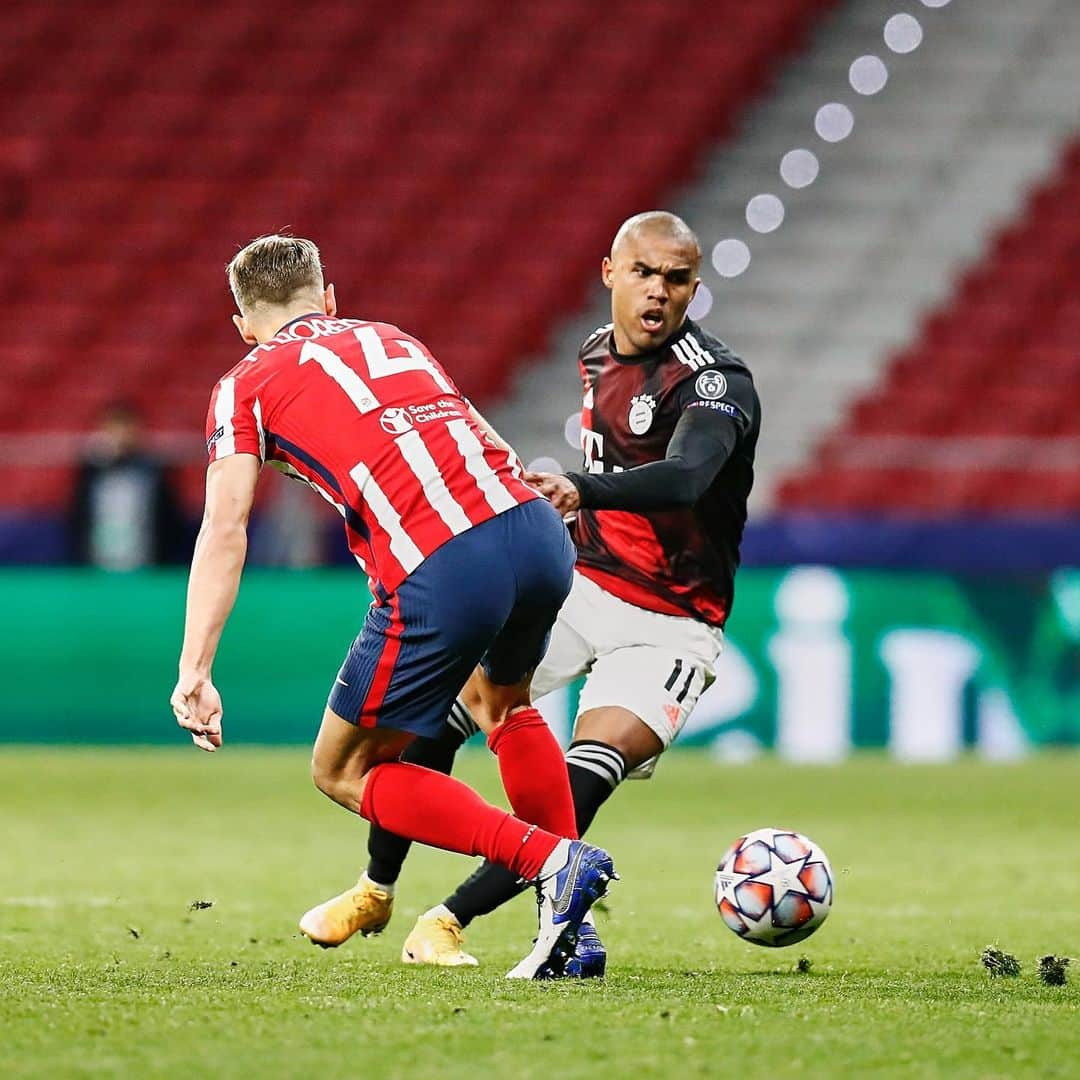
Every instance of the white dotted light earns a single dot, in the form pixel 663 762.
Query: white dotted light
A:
pixel 903 33
pixel 730 257
pixel 544 464
pixel 868 75
pixel 572 430
pixel 799 168
pixel 702 303
pixel 764 213
pixel 834 122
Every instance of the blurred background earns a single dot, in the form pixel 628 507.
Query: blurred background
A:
pixel 888 194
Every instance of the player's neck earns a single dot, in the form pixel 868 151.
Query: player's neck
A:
pixel 623 349
pixel 276 319
pixel 622 345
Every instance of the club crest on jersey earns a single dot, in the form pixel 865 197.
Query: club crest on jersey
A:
pixel 641 413
pixel 711 385
pixel 395 421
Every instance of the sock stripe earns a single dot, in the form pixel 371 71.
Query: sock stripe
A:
pixel 601 760
pixel 613 762
pixel 597 752
pixel 594 744
pixel 460 719
pixel 597 769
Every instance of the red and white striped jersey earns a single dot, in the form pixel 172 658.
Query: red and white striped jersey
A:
pixel 364 413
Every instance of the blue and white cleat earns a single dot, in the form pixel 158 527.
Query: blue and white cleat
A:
pixel 590 957
pixel 587 961
pixel 564 896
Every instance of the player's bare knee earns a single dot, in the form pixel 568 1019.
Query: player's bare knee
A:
pixel 328 778
pixel 490 715
pixel 636 752
pixel 486 720
pixel 321 776
pixel 471 696
pixel 621 730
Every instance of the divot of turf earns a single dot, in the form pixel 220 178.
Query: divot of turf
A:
pixel 999 964
pixel 1051 970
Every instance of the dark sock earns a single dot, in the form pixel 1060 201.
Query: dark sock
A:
pixel 386 851
pixel 596 770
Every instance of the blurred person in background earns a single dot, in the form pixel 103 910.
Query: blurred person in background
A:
pixel 291 531
pixel 124 514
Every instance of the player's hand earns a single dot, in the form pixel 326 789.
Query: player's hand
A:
pixel 196 704
pixel 557 489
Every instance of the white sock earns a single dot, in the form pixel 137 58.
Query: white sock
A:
pixel 556 860
pixel 388 889
pixel 440 911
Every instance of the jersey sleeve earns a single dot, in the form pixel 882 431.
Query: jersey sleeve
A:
pixel 728 393
pixel 716 409
pixel 592 340
pixel 234 421
pixel 701 444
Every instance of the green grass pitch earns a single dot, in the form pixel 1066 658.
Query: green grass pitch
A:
pixel 106 970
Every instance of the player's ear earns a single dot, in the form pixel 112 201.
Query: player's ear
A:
pixel 607 272
pixel 330 301
pixel 244 331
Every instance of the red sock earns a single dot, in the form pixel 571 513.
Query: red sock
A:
pixel 534 773
pixel 420 804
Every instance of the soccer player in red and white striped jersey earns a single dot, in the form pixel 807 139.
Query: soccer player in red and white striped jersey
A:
pixel 467 566
pixel 364 413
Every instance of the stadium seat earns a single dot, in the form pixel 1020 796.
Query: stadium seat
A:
pixel 986 403
pixel 460 167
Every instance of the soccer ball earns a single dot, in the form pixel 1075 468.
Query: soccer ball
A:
pixel 774 887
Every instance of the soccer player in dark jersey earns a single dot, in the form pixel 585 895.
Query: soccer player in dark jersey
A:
pixel 466 565
pixel 669 424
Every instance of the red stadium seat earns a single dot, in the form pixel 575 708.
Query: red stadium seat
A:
pixel 461 168
pixel 995 425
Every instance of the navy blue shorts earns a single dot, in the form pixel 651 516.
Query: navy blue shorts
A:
pixel 488 596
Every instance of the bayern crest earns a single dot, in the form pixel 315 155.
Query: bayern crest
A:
pixel 642 408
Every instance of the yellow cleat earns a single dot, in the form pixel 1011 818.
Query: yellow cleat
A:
pixel 364 909
pixel 436 939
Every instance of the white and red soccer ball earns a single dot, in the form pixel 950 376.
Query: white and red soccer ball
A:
pixel 774 887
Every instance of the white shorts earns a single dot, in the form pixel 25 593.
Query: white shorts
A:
pixel 652 665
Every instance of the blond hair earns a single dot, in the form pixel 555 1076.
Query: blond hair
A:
pixel 272 270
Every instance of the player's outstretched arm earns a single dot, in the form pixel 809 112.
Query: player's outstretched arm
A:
pixel 215 578
pixel 700 446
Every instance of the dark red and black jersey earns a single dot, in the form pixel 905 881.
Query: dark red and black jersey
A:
pixel 676 561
